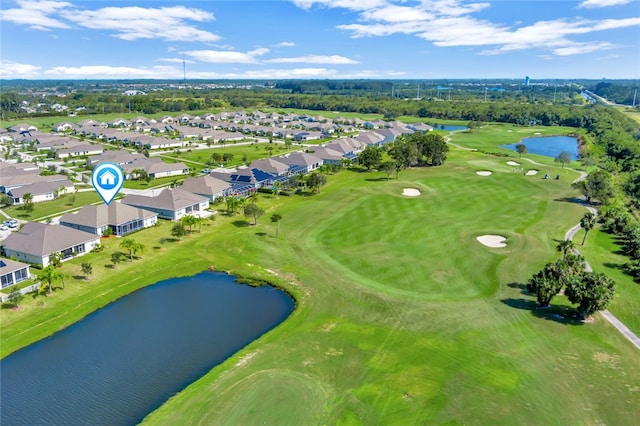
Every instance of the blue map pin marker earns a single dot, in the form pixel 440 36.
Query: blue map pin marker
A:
pixel 107 179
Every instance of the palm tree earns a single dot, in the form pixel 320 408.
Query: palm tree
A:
pixel 129 245
pixel 565 247
pixel 276 218
pixel 48 276
pixel 587 222
pixel 189 221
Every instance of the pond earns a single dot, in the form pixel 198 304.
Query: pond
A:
pixel 125 360
pixel 549 146
pixel 449 128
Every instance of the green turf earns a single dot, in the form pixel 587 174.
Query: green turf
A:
pixel 47 208
pixel 604 255
pixel 402 316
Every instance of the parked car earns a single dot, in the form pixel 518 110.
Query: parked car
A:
pixel 4 227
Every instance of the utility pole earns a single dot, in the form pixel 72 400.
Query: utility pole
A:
pixel 555 88
pixel 485 94
pixel 635 92
pixel 184 70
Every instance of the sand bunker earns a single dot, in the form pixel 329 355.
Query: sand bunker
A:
pixel 483 173
pixel 410 192
pixel 512 163
pixel 531 172
pixel 494 241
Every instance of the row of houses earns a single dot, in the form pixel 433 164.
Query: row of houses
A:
pixel 19 179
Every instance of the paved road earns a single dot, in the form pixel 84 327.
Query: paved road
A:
pixel 630 335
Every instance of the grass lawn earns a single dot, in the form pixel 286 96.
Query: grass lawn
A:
pixel 402 316
pixel 198 158
pixel 604 255
pixel 490 136
pixel 50 208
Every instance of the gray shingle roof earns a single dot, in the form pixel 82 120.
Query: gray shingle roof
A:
pixel 41 239
pixel 102 215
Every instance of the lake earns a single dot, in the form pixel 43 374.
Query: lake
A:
pixel 125 360
pixel 549 146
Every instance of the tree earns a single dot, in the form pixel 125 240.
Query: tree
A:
pixel 27 202
pixel 55 259
pixel 189 221
pixel 6 200
pixel 315 181
pixel 87 269
pixel 388 167
pixel 15 296
pixel 405 152
pixel 432 147
pixel 563 158
pixel 48 276
pixel 370 157
pixel 116 257
pixel 178 230
pixel 591 291
pixel 545 284
pixel 565 247
pixel 587 223
pixel 598 185
pixel 232 205
pixel 252 210
pixel 276 218
pixel 521 149
pixel 130 245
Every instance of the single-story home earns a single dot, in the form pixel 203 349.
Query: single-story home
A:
pixel 207 186
pixel 41 191
pixel 12 272
pixel 36 241
pixel 301 162
pixel 170 204
pixel 121 218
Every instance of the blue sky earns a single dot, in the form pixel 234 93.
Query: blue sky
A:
pixel 382 39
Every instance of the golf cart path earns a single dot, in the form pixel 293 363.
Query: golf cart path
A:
pixel 630 335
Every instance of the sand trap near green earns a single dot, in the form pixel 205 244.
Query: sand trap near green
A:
pixel 410 192
pixel 512 163
pixel 531 172
pixel 484 173
pixel 493 241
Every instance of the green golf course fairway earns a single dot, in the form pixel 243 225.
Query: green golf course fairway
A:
pixel 403 317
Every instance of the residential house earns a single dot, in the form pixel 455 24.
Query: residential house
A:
pixel 170 204
pixel 301 162
pixel 208 186
pixel 122 219
pixel 36 241
pixel 79 150
pixel 10 182
pixel 327 155
pixel 271 165
pixel 12 272
pixel 154 167
pixel 41 191
pixel 118 157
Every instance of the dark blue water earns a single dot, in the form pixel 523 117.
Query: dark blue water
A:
pixel 125 360
pixel 449 128
pixel 549 146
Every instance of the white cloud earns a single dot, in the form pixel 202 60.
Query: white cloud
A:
pixel 36 14
pixel 11 70
pixel 314 59
pixel 133 23
pixel 107 71
pixel 591 4
pixel 346 4
pixel 226 56
pixel 580 48
pixel 176 60
pixel 449 23
pixel 286 44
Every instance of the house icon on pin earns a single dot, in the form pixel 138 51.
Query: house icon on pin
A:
pixel 107 179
